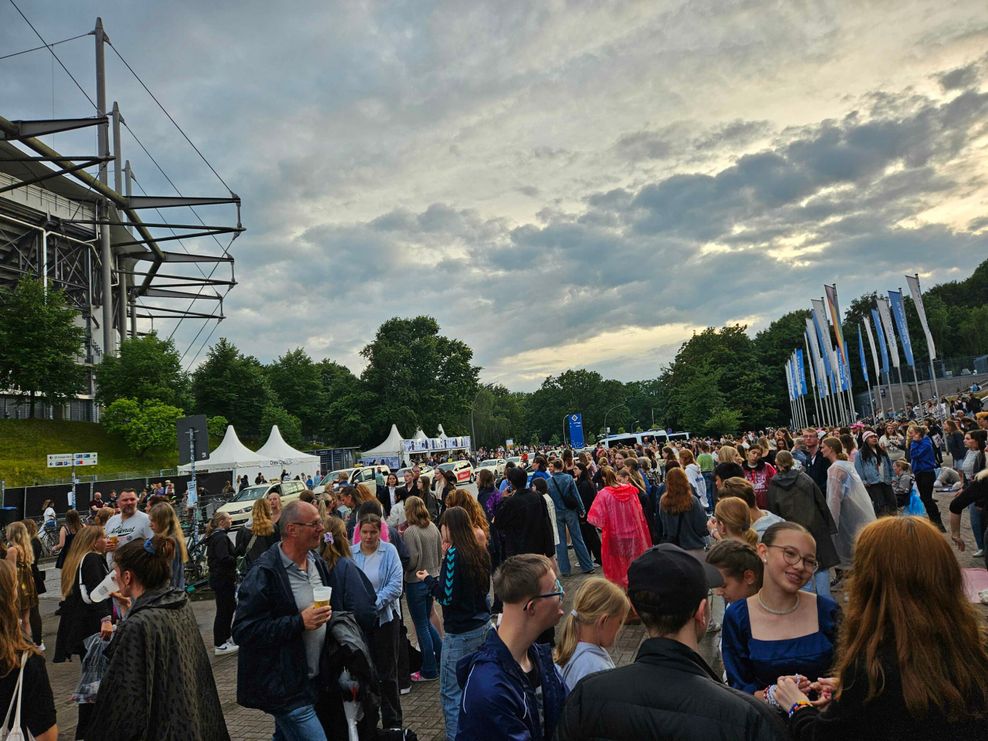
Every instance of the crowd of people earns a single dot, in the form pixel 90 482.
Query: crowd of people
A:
pixel 843 615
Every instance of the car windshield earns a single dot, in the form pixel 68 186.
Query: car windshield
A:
pixel 330 477
pixel 489 463
pixel 446 466
pixel 251 493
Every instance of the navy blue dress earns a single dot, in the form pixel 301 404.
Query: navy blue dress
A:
pixel 754 664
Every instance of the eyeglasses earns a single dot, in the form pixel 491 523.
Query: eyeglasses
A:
pixel 558 593
pixel 792 557
pixel 317 523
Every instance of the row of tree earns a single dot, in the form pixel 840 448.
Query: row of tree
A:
pixel 721 380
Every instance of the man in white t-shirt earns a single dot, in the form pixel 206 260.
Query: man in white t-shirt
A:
pixel 128 525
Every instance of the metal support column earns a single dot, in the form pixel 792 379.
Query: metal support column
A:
pixel 103 142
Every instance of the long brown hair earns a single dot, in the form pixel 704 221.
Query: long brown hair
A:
pixel 416 512
pixel 919 612
pixel 332 552
pixel 461 536
pixel 18 535
pixel 260 514
pixel 463 498
pixel 607 473
pixel 678 497
pixel 166 521
pixel 12 641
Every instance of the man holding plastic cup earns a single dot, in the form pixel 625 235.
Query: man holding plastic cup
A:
pixel 280 626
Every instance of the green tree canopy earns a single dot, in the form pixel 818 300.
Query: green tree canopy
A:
pixel 41 343
pixel 288 424
pixel 298 383
pixel 145 368
pixel 233 385
pixel 143 425
pixel 417 377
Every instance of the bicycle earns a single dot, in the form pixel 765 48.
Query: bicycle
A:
pixel 49 539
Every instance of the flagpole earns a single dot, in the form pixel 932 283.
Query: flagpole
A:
pixel 816 403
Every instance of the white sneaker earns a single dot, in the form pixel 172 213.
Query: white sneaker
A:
pixel 226 648
pixel 41 646
pixel 977 554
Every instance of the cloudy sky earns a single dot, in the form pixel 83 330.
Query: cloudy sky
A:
pixel 561 185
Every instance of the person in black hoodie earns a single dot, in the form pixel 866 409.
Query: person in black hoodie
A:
pixel 588 492
pixel 222 580
pixel 523 519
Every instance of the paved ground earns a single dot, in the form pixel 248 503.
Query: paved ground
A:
pixel 421 707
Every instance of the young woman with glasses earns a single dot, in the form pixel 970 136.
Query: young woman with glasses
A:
pixel 781 630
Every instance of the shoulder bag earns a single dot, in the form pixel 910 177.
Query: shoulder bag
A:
pixel 14 733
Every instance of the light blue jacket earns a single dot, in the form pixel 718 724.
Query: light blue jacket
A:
pixel 390 581
pixel 874 470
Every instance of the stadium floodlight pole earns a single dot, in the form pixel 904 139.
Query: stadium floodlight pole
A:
pixel 103 142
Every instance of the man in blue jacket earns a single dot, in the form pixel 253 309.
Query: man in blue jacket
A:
pixel 563 492
pixel 281 632
pixel 511 688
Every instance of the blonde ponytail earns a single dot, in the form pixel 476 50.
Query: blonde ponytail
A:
pixel 596 598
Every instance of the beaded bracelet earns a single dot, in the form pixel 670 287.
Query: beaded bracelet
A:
pixel 797 705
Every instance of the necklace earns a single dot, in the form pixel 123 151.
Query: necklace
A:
pixel 786 611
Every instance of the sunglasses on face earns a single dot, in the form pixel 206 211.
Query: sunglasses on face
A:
pixel 793 557
pixel 559 592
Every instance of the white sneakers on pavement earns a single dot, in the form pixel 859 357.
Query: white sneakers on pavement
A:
pixel 227 648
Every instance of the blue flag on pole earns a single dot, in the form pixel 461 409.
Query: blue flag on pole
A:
pixel 876 320
pixel 801 371
pixel 899 314
pixel 864 364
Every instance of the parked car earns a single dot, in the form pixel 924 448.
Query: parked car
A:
pixel 377 474
pixel 495 464
pixel 424 470
pixel 239 507
pixel 462 469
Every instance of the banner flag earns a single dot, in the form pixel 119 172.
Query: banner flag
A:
pixel 575 421
pixel 864 364
pixel 913 281
pixel 877 322
pixel 789 379
pixel 874 352
pixel 816 361
pixel 831 292
pixel 801 372
pixel 899 312
pixel 806 340
pixel 823 339
pixel 883 312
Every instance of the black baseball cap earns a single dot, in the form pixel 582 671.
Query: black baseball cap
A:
pixel 666 580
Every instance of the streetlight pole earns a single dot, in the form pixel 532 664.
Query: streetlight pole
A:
pixel 473 432
pixel 607 430
pixel 565 417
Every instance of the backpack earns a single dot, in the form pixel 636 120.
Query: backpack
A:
pixel 242 565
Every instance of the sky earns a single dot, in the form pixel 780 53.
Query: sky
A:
pixel 560 184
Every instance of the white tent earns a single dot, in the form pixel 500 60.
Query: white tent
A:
pixel 388 452
pixel 233 455
pixel 281 453
pixel 419 435
pixel 442 432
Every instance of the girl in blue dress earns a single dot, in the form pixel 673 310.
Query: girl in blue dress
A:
pixel 780 630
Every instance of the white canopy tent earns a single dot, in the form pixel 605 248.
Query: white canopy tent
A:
pixel 388 452
pixel 419 435
pixel 281 453
pixel 233 455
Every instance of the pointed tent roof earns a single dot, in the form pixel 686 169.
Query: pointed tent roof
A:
pixel 391 444
pixel 277 449
pixel 419 435
pixel 232 452
pixel 441 432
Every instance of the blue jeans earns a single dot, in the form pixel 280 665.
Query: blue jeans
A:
pixel 300 724
pixel 819 584
pixel 708 479
pixel 419 600
pixel 570 518
pixel 455 647
pixel 978 525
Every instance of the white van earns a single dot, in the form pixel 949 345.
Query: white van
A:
pixel 660 437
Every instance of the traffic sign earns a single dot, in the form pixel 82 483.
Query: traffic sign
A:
pixel 71 460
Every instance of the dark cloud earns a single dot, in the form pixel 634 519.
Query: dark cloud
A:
pixel 959 78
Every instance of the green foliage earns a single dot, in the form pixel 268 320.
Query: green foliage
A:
pixel 216 427
pixel 24 443
pixel 145 425
pixel 498 414
pixel 41 343
pixel 342 421
pixel 288 424
pixel 416 377
pixel 297 381
pixel 578 390
pixel 145 368
pixel 232 385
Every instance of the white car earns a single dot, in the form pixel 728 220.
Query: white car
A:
pixel 240 506
pixel 496 465
pixel 375 474
pixel 424 470
pixel 462 469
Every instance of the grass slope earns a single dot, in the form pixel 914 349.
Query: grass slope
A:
pixel 25 443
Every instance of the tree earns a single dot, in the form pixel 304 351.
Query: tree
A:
pixel 146 368
pixel 41 343
pixel 288 424
pixel 343 421
pixel 416 377
pixel 216 428
pixel 298 383
pixel 773 346
pixel 234 386
pixel 144 426
pixel 577 390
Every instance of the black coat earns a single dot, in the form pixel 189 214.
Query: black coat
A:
pixel 384 497
pixel 668 693
pixel 817 468
pixel 794 496
pixel 271 674
pixel 79 619
pixel 221 558
pixel 523 519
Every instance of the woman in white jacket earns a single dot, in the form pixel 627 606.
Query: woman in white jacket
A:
pixel 695 476
pixel 847 499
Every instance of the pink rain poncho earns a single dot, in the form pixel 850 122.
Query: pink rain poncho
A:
pixel 618 513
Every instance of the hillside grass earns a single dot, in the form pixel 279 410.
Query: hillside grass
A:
pixel 25 443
